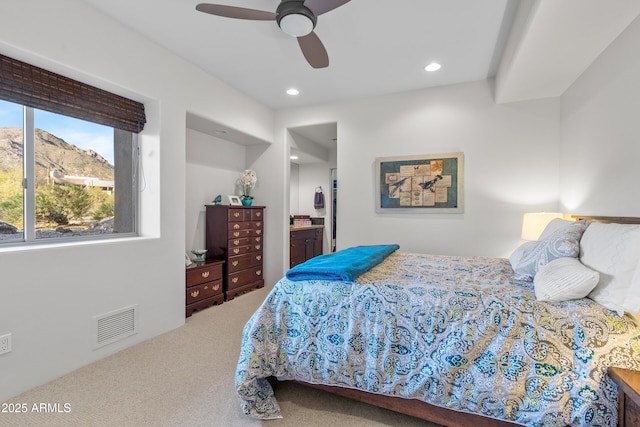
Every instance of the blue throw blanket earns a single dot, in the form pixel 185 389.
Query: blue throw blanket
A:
pixel 344 265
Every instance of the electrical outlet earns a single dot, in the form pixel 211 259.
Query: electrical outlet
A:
pixel 5 343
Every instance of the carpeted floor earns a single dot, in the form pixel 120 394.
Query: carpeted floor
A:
pixel 186 378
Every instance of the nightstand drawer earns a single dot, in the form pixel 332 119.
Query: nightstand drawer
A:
pixel 205 273
pixel 205 290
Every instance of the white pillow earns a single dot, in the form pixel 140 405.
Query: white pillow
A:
pixel 614 251
pixel 564 279
pixel 559 239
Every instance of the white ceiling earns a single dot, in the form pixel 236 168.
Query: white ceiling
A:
pixel 374 46
pixel 535 48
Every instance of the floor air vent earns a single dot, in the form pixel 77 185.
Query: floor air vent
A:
pixel 114 326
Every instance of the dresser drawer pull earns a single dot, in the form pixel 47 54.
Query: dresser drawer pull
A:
pixel 258 247
pixel 205 274
pixel 258 231
pixel 258 273
pixel 234 263
pixel 236 226
pixel 258 239
pixel 195 293
pixel 234 280
pixel 236 242
pixel 216 287
pixel 236 251
pixel 236 214
pixel 258 224
pixel 258 214
pixel 206 287
pixel 236 234
pixel 259 257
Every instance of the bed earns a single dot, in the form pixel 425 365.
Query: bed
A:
pixel 456 340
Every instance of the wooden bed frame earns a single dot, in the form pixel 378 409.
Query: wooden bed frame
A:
pixel 438 414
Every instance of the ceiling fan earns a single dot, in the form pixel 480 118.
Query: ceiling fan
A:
pixel 297 18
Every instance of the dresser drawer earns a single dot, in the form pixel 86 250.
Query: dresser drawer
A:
pixel 241 262
pixel 239 234
pixel 256 214
pixel 240 225
pixel 244 277
pixel 243 241
pixel 240 250
pixel 239 214
pixel 205 273
pixel 205 290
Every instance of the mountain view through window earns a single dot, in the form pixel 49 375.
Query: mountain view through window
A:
pixel 70 164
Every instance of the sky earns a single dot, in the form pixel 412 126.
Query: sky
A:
pixel 82 134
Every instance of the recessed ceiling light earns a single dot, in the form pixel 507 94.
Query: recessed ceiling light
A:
pixel 434 66
pixel 293 92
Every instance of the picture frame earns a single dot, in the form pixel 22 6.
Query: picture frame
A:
pixel 425 183
pixel 235 200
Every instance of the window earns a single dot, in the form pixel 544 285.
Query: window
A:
pixel 68 157
pixel 80 176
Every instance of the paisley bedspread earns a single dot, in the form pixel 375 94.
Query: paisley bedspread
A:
pixel 457 332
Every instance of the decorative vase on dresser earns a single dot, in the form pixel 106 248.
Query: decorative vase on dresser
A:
pixel 235 234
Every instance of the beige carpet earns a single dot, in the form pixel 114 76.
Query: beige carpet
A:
pixel 186 378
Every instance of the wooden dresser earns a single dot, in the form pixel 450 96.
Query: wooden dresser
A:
pixel 235 234
pixel 204 285
pixel 628 397
pixel 304 243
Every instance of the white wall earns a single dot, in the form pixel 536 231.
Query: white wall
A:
pixel 294 189
pixel 213 167
pixel 312 175
pixel 600 133
pixel 511 164
pixel 49 294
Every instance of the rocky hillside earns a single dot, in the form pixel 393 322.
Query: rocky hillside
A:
pixel 52 153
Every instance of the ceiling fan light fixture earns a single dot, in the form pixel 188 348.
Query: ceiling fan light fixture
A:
pixel 295 19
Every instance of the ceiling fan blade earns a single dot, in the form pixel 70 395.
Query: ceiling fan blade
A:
pixel 318 7
pixel 313 50
pixel 236 12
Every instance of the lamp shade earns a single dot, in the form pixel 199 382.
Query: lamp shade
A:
pixel 533 224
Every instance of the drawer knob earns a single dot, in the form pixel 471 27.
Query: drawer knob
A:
pixel 205 274
pixel 236 234
pixel 236 242
pixel 259 257
pixel 258 231
pixel 234 263
pixel 258 239
pixel 259 272
pixel 216 287
pixel 234 280
pixel 236 251
pixel 236 214
pixel 258 214
pixel 258 247
pixel 195 293
pixel 236 226
pixel 258 224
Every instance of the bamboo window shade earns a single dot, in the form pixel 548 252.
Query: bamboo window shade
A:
pixel 35 87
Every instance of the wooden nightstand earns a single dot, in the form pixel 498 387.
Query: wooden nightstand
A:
pixel 204 285
pixel 629 397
